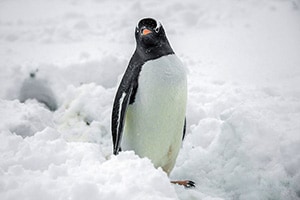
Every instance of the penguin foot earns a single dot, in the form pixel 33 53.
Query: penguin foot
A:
pixel 185 183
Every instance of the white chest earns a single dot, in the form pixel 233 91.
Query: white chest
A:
pixel 154 122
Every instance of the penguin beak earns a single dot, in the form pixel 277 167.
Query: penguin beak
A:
pixel 146 31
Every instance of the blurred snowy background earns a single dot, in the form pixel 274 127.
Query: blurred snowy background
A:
pixel 243 132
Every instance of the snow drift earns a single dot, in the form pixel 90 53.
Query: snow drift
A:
pixel 243 110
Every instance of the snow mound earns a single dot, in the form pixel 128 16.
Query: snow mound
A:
pixel 24 119
pixel 74 171
pixel 242 146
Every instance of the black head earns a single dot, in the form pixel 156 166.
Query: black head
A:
pixel 151 39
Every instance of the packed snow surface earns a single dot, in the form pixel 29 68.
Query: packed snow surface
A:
pixel 243 114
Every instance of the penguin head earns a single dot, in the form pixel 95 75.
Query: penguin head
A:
pixel 150 36
pixel 32 74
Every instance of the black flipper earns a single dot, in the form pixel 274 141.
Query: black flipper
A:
pixel 124 96
pixel 118 117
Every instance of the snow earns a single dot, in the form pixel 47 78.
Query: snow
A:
pixel 243 111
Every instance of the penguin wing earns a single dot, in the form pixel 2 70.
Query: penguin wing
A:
pixel 124 96
pixel 119 110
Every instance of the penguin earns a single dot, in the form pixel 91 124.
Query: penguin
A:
pixel 39 89
pixel 149 109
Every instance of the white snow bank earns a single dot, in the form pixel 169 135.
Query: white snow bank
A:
pixel 243 107
pixel 24 119
pixel 45 166
pixel 85 115
pixel 245 144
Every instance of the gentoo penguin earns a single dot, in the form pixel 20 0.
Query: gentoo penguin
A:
pixel 39 89
pixel 149 108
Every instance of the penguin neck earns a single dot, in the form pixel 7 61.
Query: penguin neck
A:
pixel 154 52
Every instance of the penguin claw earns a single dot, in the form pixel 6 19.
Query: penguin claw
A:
pixel 190 184
pixel 185 183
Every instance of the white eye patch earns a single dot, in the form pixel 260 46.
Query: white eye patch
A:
pixel 158 25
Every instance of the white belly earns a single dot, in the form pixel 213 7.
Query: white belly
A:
pixel 154 122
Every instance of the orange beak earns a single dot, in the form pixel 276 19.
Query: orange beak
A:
pixel 146 31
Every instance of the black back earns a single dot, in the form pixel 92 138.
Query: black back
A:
pixel 148 47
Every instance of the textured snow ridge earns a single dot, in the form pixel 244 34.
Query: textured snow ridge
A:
pixel 74 170
pixel 243 112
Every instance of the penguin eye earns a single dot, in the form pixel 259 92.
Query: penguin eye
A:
pixel 156 29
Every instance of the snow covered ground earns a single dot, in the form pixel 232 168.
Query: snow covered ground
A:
pixel 243 132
